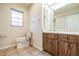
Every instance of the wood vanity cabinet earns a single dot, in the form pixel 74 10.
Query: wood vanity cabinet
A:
pixel 61 48
pixel 70 49
pixel 77 37
pixel 67 49
pixel 67 45
pixel 61 44
pixel 44 43
pixel 50 43
pixel 54 47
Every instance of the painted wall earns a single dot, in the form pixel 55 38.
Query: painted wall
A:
pixel 36 25
pixel 5 24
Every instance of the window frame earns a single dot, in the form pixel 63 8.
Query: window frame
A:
pixel 17 21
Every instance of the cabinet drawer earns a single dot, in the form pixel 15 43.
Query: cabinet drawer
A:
pixel 77 39
pixel 68 38
pixel 62 37
pixel 44 34
pixel 72 39
pixel 52 36
pixel 49 35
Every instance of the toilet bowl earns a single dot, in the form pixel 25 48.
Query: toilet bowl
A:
pixel 22 42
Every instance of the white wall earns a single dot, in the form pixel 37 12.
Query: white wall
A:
pixel 5 24
pixel 36 25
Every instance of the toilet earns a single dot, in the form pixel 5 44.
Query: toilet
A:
pixel 22 42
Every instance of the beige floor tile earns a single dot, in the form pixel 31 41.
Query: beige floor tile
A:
pixel 31 51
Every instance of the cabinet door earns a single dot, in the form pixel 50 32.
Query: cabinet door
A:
pixel 77 49
pixel 78 45
pixel 67 49
pixel 45 44
pixel 61 48
pixel 49 45
pixel 70 49
pixel 54 47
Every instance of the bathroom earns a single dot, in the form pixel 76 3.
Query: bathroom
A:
pixel 20 34
pixel 39 29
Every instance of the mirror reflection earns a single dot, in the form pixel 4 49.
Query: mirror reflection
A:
pixel 61 17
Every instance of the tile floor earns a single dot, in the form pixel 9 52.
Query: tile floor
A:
pixel 31 51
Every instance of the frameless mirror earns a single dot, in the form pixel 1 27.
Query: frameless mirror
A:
pixel 48 18
pixel 61 17
pixel 67 18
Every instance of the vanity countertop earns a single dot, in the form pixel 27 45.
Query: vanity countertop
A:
pixel 62 32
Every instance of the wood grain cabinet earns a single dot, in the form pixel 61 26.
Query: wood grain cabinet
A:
pixel 54 47
pixel 44 44
pixel 61 44
pixel 78 49
pixel 61 49
pixel 49 45
pixel 70 49
pixel 67 49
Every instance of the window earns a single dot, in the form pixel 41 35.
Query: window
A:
pixel 17 17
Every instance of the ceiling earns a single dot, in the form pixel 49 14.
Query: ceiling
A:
pixel 67 7
pixel 62 6
pixel 27 4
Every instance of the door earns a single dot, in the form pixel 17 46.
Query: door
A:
pixel 36 29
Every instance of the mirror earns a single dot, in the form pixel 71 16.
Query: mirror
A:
pixel 48 19
pixel 67 18
pixel 64 19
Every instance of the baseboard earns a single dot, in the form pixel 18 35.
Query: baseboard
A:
pixel 38 47
pixel 5 47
